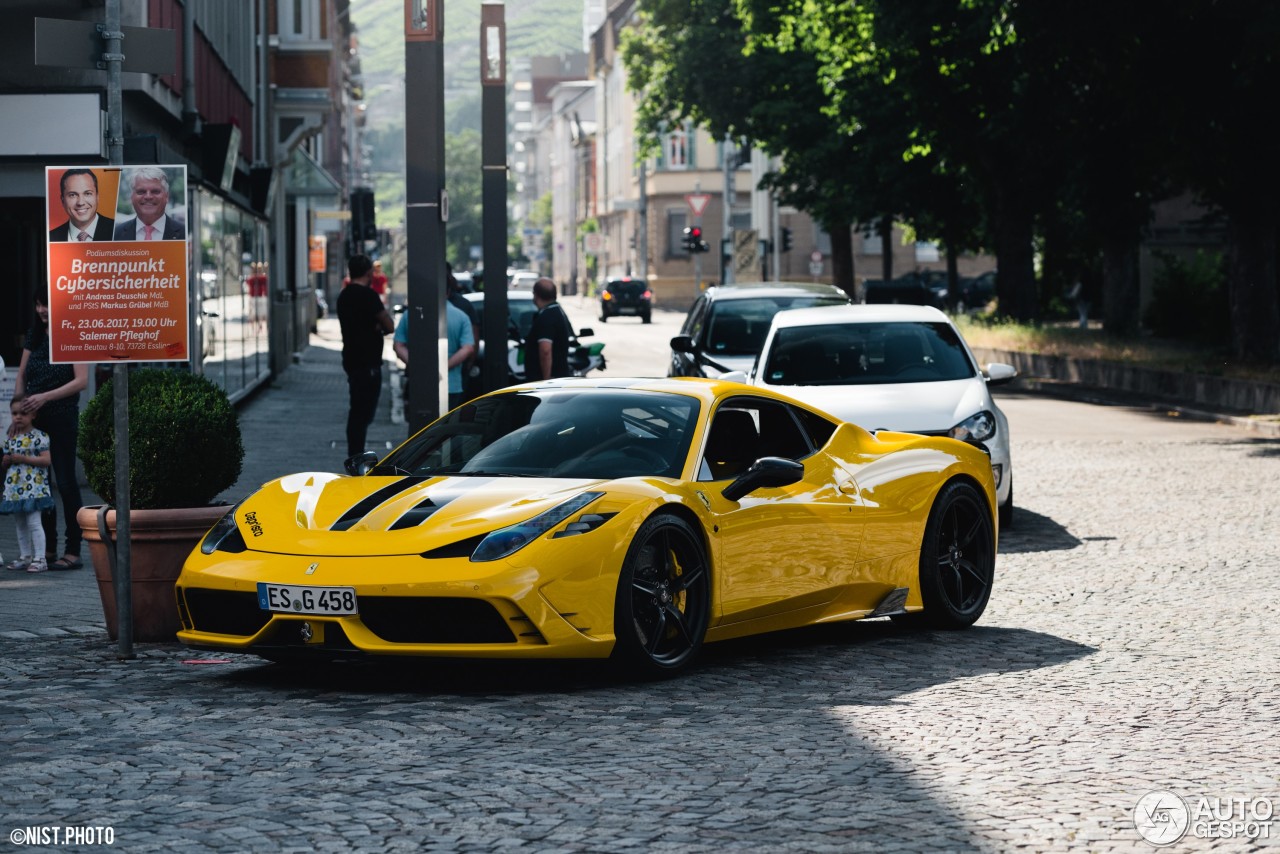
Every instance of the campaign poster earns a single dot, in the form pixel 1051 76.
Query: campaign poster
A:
pixel 118 267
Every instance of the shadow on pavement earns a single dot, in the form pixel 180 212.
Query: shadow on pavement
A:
pixel 1032 532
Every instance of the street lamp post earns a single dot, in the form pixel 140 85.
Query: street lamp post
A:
pixel 426 208
pixel 493 157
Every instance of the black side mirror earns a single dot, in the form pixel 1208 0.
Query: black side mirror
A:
pixel 765 472
pixel 586 332
pixel 683 344
pixel 360 464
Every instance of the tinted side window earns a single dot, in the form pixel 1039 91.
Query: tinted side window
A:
pixel 693 322
pixel 819 429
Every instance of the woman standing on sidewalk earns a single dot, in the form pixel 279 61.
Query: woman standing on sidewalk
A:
pixel 52 398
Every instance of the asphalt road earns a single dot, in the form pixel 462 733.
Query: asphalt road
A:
pixel 1129 648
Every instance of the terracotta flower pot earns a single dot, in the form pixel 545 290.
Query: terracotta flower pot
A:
pixel 159 542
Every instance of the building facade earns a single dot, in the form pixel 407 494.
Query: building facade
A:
pixel 254 104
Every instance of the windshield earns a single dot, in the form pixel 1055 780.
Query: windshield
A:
pixel 738 327
pixel 588 433
pixel 519 311
pixel 867 353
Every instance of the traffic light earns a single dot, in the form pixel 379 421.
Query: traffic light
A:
pixel 364 225
pixel 786 240
pixel 693 241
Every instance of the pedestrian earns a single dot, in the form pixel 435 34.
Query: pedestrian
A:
pixel 26 486
pixel 379 282
pixel 364 321
pixel 455 297
pixel 546 350
pixel 461 347
pixel 1080 295
pixel 51 396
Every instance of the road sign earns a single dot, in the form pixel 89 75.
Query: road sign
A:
pixel 697 202
pixel 815 256
pixel 815 268
pixel 746 255
pixel 80 44
pixel 592 243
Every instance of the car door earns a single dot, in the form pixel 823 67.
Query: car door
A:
pixel 778 549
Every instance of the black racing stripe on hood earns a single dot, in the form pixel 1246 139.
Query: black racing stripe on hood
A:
pixel 436 499
pixel 368 503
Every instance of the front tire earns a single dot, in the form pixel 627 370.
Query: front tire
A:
pixel 663 601
pixel 957 558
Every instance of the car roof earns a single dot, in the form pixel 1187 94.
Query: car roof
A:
pixel 865 313
pixel 774 289
pixel 512 296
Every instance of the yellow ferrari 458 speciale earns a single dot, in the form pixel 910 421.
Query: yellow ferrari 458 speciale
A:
pixel 588 518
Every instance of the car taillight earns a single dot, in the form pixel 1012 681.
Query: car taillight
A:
pixel 606 296
pixel 647 295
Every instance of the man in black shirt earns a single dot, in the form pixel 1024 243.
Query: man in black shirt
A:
pixel 546 350
pixel 364 321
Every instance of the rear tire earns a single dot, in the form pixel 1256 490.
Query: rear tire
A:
pixel 957 558
pixel 663 601
pixel 646 318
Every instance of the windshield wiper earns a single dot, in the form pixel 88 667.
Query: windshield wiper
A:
pixel 483 473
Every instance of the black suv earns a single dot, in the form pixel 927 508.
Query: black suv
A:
pixel 626 296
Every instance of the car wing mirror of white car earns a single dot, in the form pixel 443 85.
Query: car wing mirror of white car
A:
pixel 998 373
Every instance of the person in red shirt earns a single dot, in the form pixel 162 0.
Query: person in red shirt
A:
pixel 379 282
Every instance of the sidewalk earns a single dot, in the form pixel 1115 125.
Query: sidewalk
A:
pixel 297 423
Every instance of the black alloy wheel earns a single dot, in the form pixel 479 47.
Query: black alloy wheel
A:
pixel 957 558
pixel 664 599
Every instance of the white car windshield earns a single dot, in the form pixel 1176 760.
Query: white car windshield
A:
pixel 867 353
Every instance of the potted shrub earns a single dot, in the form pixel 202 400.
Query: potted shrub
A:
pixel 184 450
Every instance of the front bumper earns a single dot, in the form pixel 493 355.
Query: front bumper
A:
pixel 408 605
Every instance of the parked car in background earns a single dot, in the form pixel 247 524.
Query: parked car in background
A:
pixel 891 367
pixel 465 283
pixel 976 291
pixel 915 288
pixel 727 325
pixel 522 280
pixel 583 358
pixel 626 296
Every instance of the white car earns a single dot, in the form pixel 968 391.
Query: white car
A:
pixel 522 280
pixel 891 367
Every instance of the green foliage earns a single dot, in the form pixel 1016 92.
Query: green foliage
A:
pixel 184 440
pixel 1189 299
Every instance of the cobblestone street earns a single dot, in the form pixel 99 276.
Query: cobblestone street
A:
pixel 1130 646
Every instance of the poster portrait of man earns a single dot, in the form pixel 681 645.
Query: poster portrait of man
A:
pixel 148 189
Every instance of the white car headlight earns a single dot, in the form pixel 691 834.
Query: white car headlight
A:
pixel 509 540
pixel 978 428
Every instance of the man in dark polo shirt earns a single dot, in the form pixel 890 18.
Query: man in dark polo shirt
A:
pixel 364 321
pixel 546 350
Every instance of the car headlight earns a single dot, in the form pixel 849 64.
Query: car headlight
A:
pixel 509 540
pixel 975 428
pixel 224 536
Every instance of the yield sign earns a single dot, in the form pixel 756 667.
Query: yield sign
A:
pixel 697 202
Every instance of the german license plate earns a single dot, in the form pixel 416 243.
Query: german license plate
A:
pixel 289 599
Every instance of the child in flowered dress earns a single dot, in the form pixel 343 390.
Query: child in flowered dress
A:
pixel 26 487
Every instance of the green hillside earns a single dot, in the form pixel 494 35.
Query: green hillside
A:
pixel 534 28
